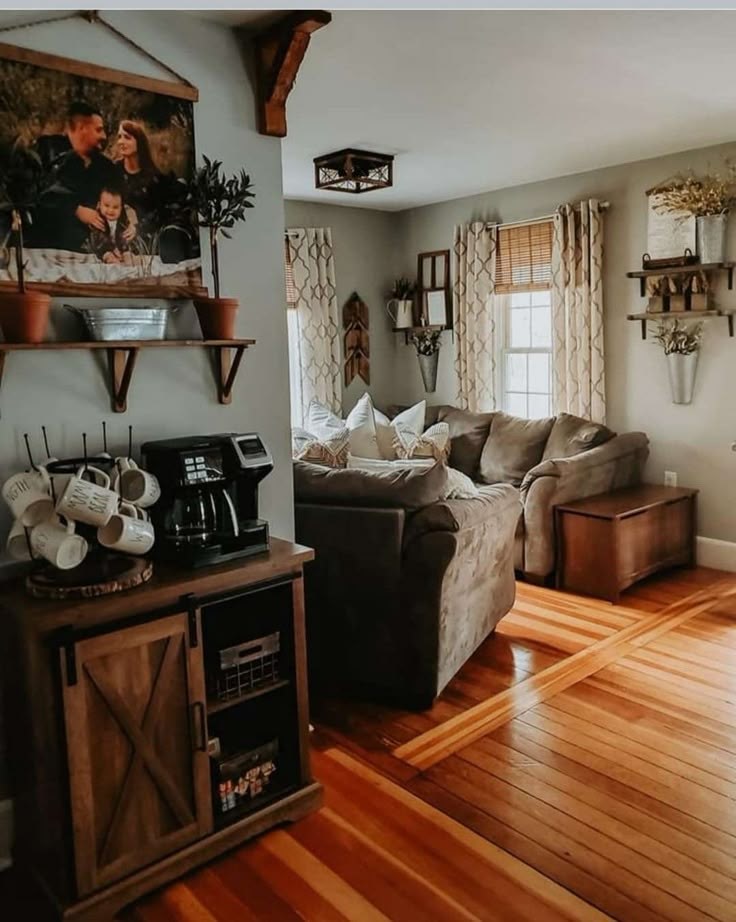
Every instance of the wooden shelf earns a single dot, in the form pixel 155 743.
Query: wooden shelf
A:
pixel 647 317
pixel 213 707
pixel 122 355
pixel 692 269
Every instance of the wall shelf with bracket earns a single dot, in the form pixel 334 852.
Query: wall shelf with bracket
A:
pixel 122 355
pixel 647 317
pixel 671 271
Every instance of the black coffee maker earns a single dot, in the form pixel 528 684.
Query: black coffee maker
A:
pixel 208 510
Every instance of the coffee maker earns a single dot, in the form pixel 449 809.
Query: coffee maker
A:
pixel 208 510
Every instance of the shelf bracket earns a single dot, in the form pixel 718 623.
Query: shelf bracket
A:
pixel 642 287
pixel 227 370
pixel 644 329
pixel 730 325
pixel 121 362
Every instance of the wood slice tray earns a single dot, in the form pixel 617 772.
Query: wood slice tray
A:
pixel 97 575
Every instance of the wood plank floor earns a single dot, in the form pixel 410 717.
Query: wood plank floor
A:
pixel 581 766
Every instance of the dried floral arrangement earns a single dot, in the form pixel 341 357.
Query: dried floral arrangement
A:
pixel 710 194
pixel 677 338
pixel 426 342
pixel 403 289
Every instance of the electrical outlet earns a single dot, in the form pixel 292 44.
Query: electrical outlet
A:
pixel 670 478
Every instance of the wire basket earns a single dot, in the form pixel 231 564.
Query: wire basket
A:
pixel 247 666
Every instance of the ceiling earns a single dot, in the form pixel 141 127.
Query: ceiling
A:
pixel 476 100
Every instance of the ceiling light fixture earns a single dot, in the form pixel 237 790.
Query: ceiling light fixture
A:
pixel 356 171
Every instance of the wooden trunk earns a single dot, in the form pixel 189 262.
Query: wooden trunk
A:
pixel 109 724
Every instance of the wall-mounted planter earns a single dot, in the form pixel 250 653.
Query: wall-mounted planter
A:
pixel 682 370
pixel 428 367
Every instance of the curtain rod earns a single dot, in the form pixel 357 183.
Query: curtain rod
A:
pixel 604 206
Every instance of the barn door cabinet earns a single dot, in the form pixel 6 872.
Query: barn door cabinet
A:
pixel 152 730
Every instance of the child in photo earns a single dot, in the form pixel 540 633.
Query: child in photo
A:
pixel 111 245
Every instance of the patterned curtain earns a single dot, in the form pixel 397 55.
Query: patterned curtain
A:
pixel 317 339
pixel 577 311
pixel 475 325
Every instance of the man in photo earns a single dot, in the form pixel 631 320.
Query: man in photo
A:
pixel 70 210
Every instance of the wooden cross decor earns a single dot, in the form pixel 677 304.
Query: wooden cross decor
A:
pixel 357 346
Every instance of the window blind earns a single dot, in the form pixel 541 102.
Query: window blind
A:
pixel 524 257
pixel 291 295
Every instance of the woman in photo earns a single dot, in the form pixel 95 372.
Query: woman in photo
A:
pixel 151 194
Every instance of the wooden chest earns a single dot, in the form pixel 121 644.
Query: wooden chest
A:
pixel 608 542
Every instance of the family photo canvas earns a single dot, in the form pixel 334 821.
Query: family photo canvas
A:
pixel 116 159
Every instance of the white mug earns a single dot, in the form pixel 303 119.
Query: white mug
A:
pixel 128 531
pixel 28 496
pixel 17 544
pixel 125 464
pixel 93 503
pixel 86 472
pixel 58 543
pixel 401 313
pixel 139 487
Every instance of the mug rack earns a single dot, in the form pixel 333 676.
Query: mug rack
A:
pixel 122 355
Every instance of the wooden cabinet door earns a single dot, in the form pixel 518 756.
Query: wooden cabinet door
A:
pixel 134 708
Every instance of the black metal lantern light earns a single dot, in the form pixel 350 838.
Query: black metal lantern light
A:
pixel 355 171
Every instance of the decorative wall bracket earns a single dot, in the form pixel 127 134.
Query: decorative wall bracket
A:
pixel 279 52
pixel 122 356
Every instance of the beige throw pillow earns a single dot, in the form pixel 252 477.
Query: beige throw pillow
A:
pixel 329 449
pixel 434 443
pixel 362 425
pixel 410 420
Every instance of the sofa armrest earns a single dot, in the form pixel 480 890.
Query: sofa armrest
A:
pixel 615 464
pixel 455 515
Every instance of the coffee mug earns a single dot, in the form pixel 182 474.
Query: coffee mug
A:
pixel 139 487
pixel 57 542
pixel 28 496
pixel 60 481
pixel 17 544
pixel 128 531
pixel 93 503
pixel 125 464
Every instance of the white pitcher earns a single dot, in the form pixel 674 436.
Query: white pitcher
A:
pixel 401 313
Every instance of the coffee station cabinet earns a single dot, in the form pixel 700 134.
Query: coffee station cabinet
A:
pixel 151 730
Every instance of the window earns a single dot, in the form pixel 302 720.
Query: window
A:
pixel 523 274
pixel 295 370
pixel 526 359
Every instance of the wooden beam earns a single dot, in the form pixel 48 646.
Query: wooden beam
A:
pixel 279 53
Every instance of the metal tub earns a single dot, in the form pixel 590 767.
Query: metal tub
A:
pixel 123 323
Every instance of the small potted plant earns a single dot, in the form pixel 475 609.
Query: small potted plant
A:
pixel 709 198
pixel 401 306
pixel 427 343
pixel 681 344
pixel 220 203
pixel 24 314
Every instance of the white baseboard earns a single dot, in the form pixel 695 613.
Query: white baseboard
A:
pixel 6 832
pixel 712 552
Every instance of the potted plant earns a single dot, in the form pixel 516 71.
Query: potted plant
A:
pixel 219 203
pixel 24 314
pixel 709 199
pixel 427 343
pixel 681 344
pixel 401 306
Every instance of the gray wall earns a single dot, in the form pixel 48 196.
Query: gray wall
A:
pixel 367 254
pixel 173 391
pixel 692 440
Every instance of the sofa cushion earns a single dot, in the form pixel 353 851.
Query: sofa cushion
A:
pixel 572 434
pixel 468 434
pixel 402 488
pixel 513 447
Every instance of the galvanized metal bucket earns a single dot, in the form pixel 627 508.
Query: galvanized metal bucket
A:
pixel 428 368
pixel 710 237
pixel 681 369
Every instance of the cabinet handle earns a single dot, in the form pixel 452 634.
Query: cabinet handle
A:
pixel 199 728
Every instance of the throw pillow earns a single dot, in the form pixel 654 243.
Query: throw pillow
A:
pixel 383 466
pixel 434 443
pixel 411 419
pixel 513 447
pixel 571 435
pixel 330 449
pixel 459 485
pixel 468 434
pixel 320 417
pixel 362 425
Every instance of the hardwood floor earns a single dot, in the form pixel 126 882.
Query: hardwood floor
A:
pixel 581 766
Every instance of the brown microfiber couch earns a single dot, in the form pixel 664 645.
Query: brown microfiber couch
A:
pixel 550 461
pixel 405 585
